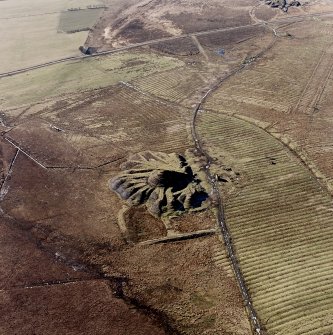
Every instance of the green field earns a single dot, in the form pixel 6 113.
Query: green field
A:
pixel 29 32
pixel 72 21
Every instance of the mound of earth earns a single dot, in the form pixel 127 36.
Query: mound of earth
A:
pixel 165 183
pixel 282 4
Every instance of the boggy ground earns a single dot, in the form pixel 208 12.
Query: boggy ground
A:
pixel 64 247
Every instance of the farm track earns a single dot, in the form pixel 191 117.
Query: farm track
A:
pixel 277 231
pixel 254 320
pixel 29 15
pixel 200 48
pixel 116 50
pixel 137 45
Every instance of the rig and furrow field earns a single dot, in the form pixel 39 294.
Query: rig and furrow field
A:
pixel 281 223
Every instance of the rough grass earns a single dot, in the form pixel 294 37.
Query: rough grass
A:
pixel 27 88
pixel 175 85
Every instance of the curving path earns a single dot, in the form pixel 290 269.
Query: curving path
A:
pixel 277 229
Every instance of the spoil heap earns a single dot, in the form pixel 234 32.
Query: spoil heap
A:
pixel 165 183
pixel 282 4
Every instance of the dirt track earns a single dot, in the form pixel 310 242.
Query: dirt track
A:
pixel 216 193
pixel 121 49
pixel 255 322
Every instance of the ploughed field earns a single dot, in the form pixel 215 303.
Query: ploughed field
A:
pixel 281 222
